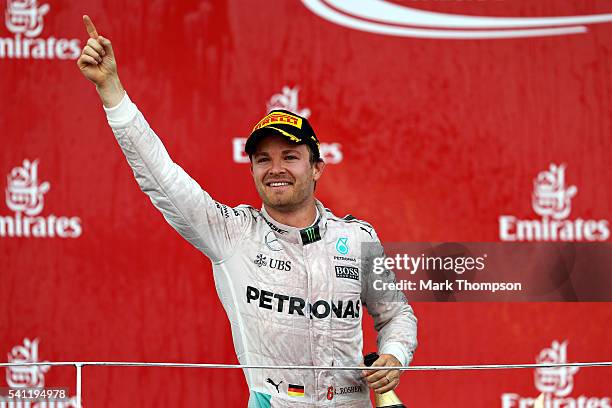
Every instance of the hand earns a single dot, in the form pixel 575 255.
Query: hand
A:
pixel 97 61
pixel 382 381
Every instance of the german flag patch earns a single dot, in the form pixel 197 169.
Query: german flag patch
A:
pixel 295 390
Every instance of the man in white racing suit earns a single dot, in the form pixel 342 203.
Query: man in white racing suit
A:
pixel 292 277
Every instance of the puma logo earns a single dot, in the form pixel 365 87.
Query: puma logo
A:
pixel 269 380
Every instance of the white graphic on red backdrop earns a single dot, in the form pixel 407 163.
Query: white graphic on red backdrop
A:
pixel 288 99
pixel 23 191
pixel 26 376
pixel 25 20
pixel 30 377
pixel 25 197
pixel 25 17
pixel 551 200
pixel 387 18
pixel 555 380
pixel 554 383
pixel 550 197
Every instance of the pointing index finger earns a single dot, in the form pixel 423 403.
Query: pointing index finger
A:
pixel 91 29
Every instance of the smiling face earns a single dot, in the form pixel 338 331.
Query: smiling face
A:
pixel 283 173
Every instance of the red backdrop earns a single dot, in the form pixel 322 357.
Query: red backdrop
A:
pixel 430 139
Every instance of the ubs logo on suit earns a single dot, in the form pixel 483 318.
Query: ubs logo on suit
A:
pixel 278 264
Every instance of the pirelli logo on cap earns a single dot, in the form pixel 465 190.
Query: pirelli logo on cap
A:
pixel 279 118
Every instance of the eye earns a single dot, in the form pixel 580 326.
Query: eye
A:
pixel 261 160
pixel 291 157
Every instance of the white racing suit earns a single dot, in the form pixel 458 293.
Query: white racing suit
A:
pixel 293 297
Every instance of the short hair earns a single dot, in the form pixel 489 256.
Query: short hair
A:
pixel 313 158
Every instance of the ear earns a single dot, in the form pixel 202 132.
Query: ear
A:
pixel 317 169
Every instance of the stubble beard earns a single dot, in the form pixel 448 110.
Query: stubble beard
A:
pixel 286 202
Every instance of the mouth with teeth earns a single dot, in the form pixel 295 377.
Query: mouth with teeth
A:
pixel 278 184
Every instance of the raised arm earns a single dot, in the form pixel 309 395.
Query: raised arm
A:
pixel 210 226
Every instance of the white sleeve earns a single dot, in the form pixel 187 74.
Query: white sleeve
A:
pixel 394 319
pixel 212 227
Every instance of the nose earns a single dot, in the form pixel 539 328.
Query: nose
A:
pixel 276 166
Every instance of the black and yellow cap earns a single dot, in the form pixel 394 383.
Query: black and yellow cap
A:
pixel 294 127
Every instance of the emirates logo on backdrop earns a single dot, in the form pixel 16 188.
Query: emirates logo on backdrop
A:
pixel 26 376
pixel 555 384
pixel 24 192
pixel 555 380
pixel 25 196
pixel 25 20
pixel 25 17
pixel 26 384
pixel 287 99
pixel 551 199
